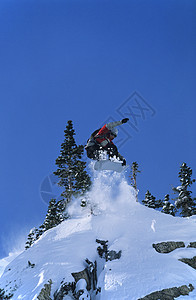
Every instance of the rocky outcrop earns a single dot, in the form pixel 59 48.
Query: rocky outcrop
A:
pixel 172 293
pixel 105 253
pixel 86 280
pixel 114 255
pixel 83 275
pixel 169 294
pixel 192 245
pixel 189 261
pixel 65 289
pixel 89 274
pixel 167 247
pixel 84 285
pixel 45 292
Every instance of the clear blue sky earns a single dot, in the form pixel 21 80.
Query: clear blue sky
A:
pixel 81 60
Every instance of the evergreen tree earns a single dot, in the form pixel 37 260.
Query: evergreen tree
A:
pixel 184 201
pixel 149 200
pixel 3 296
pixel 133 176
pixel 71 169
pixel 159 203
pixel 30 239
pixel 33 236
pixel 55 215
pixel 60 212
pixel 50 219
pixel 2 293
pixel 168 208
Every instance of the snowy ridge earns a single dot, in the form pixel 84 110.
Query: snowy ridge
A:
pixel 112 214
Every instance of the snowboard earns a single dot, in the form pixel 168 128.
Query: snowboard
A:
pixel 109 165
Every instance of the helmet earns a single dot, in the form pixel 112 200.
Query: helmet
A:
pixel 114 131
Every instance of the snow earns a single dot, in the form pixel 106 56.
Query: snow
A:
pixel 112 214
pixel 6 260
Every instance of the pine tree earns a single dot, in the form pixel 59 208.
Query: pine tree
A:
pixel 71 169
pixel 55 215
pixel 184 202
pixel 159 203
pixel 168 207
pixel 133 176
pixel 60 212
pixel 30 239
pixel 2 293
pixel 51 216
pixel 73 177
pixel 149 200
pixel 3 296
pixel 33 236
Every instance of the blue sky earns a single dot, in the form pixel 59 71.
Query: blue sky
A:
pixel 92 61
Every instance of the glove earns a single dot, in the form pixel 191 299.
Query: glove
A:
pixel 125 120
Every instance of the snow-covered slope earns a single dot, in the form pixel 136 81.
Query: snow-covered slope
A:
pixel 128 226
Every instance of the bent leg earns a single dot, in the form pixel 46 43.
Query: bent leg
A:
pixel 112 150
pixel 93 152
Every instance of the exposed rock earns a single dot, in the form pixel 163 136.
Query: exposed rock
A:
pixel 166 247
pixel 89 274
pixel 189 261
pixel 114 255
pixel 104 253
pixel 81 291
pixel 169 294
pixel 192 245
pixel 92 272
pixel 45 292
pixel 65 289
pixel 85 281
pixel 84 274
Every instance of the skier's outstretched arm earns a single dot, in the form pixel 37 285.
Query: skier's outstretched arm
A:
pixel 117 123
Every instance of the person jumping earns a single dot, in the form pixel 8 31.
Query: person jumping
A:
pixel 102 140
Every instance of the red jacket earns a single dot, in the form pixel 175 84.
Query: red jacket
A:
pixel 103 137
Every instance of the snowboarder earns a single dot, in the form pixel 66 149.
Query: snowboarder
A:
pixel 102 140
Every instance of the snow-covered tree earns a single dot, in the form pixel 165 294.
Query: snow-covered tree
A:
pixel 50 219
pixel 133 176
pixel 149 200
pixel 184 201
pixel 55 215
pixel 3 296
pixel 30 239
pixel 71 169
pixel 168 207
pixel 61 214
pixel 33 236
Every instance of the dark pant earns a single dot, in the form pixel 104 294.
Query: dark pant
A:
pixel 94 151
pixel 111 150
